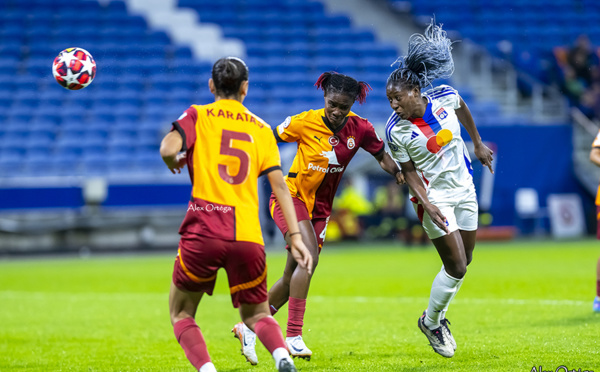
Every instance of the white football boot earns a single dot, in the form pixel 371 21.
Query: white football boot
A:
pixel 445 323
pixel 438 338
pixel 248 340
pixel 297 347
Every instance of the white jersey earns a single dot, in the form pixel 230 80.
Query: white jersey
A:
pixel 435 146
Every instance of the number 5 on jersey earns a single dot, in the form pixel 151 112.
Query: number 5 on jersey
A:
pixel 227 148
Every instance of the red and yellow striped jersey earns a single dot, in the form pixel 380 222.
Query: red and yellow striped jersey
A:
pixel 323 155
pixel 228 148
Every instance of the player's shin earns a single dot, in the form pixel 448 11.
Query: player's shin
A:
pixel 443 290
pixel 269 333
pixel 443 314
pixel 190 338
pixel 296 310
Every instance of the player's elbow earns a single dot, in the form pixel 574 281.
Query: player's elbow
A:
pixel 167 151
pixel 169 148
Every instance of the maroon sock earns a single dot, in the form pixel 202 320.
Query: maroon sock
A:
pixel 296 308
pixel 273 310
pixel 190 338
pixel 598 288
pixel 269 333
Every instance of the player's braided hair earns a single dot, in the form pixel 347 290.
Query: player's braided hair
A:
pixel 228 74
pixel 429 57
pixel 339 83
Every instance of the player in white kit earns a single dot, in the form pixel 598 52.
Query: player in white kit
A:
pixel 424 136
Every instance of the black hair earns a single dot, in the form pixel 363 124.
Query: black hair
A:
pixel 429 57
pixel 228 74
pixel 339 83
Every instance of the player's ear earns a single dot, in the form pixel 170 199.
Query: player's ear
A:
pixel 416 92
pixel 244 88
pixel 211 86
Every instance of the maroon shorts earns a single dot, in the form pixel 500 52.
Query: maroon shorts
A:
pixel 598 218
pixel 319 224
pixel 200 257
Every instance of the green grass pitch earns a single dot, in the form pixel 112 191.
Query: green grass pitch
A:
pixel 522 305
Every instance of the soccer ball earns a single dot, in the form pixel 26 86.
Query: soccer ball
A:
pixel 74 68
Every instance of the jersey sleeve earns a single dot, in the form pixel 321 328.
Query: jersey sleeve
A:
pixel 289 130
pixel 447 96
pixel 269 153
pixel 596 141
pixel 186 126
pixel 397 148
pixel 371 141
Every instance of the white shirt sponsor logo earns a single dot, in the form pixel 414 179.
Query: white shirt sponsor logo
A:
pixel 330 155
pixel 319 168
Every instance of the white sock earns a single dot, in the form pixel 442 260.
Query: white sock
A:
pixel 281 353
pixel 207 367
pixel 443 314
pixel 443 289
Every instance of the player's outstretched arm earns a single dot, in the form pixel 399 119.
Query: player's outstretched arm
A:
pixel 483 153
pixel 169 150
pixel 389 165
pixel 595 156
pixel 297 247
pixel 418 190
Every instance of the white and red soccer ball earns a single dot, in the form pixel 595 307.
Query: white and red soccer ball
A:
pixel 74 68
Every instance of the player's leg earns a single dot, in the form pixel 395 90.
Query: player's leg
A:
pixel 298 293
pixel 246 271
pixel 258 319
pixel 194 273
pixel 182 308
pixel 280 291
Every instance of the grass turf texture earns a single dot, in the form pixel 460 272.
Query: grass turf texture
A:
pixel 522 304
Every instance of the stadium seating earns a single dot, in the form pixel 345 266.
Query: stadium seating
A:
pixel 144 81
pixel 523 31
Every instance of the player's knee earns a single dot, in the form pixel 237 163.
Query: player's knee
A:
pixel 177 316
pixel 315 263
pixel 469 259
pixel 457 271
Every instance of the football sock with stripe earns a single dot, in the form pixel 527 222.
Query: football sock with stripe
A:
pixel 296 309
pixel 190 338
pixel 443 289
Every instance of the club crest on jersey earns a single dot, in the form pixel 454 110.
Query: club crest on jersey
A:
pixel 351 143
pixel 441 113
pixel 334 140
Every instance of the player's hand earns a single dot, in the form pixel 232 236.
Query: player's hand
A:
pixel 301 253
pixel 484 154
pixel 400 180
pixel 176 163
pixel 437 217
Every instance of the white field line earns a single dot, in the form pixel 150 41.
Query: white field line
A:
pixel 124 296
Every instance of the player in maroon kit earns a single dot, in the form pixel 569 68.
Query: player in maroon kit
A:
pixel 327 140
pixel 226 149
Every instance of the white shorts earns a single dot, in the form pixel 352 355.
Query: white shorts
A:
pixel 461 214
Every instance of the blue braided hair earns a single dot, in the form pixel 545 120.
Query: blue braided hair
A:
pixel 429 57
